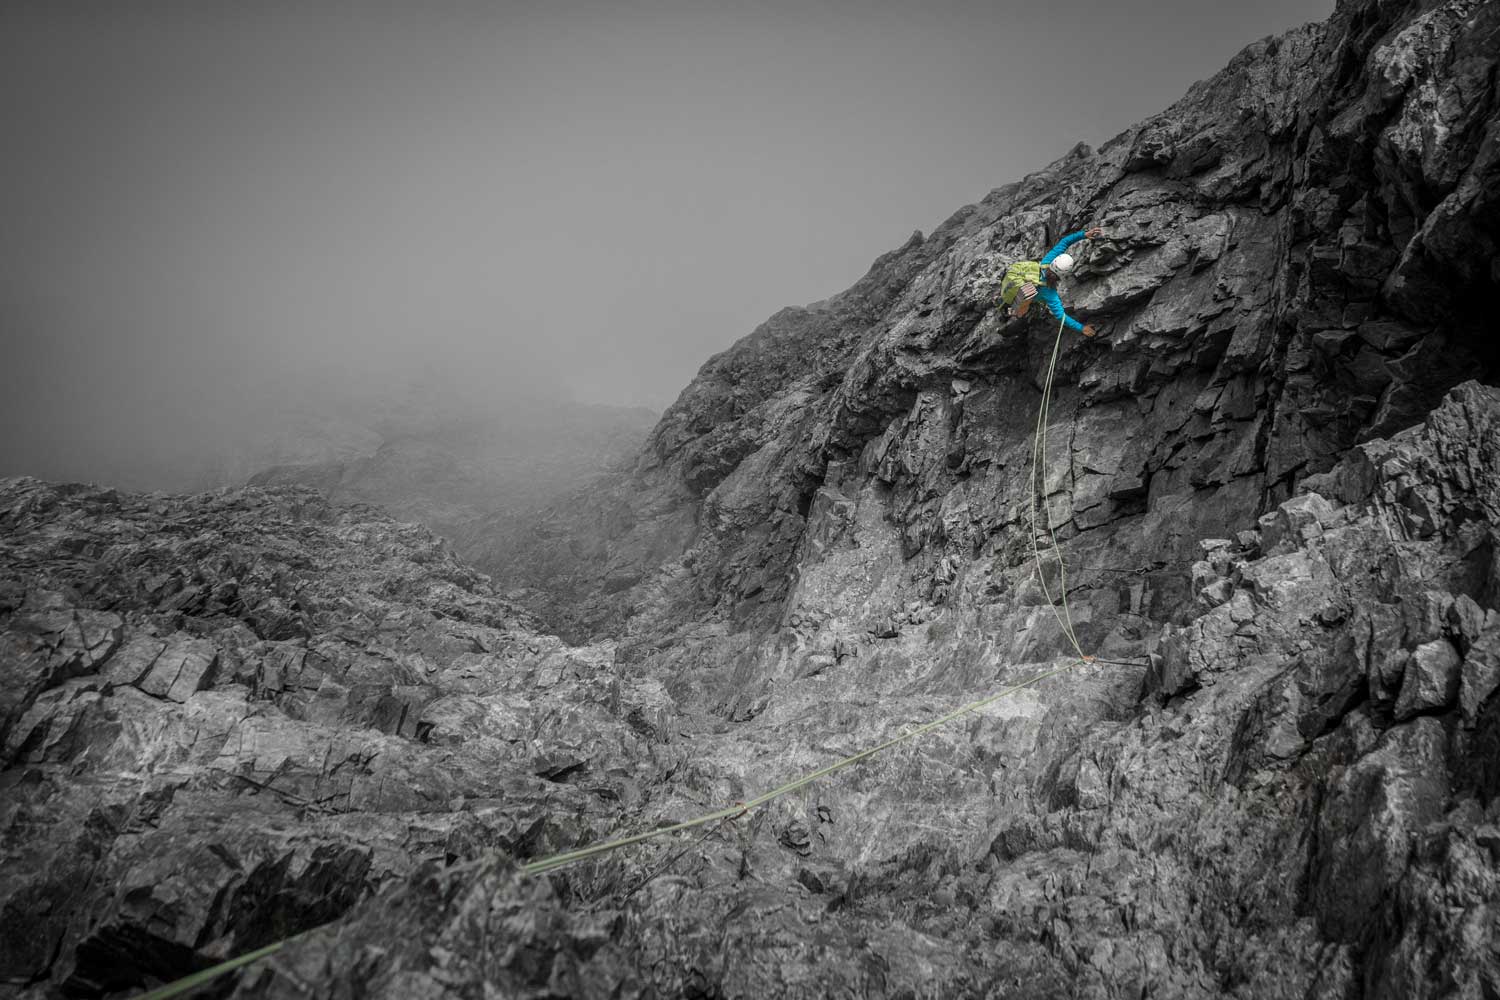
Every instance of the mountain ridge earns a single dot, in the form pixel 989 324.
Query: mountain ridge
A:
pixel 1163 176
pixel 1276 480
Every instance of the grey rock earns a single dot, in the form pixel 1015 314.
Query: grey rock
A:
pixel 1218 406
pixel 182 780
pixel 182 667
pixel 1431 679
pixel 1481 672
pixel 1295 522
pixel 1289 792
pixel 1264 800
pixel 132 663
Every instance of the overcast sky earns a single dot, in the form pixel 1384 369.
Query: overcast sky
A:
pixel 208 205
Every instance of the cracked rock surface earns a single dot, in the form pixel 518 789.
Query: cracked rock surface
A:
pixel 1259 809
pixel 1263 809
pixel 1297 256
pixel 1275 485
pixel 230 716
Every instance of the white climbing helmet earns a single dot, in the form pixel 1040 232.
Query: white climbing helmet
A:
pixel 1062 263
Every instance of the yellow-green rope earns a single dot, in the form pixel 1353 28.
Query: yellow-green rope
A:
pixel 555 861
pixel 1038 485
pixel 1062 566
pixel 739 808
pixel 178 987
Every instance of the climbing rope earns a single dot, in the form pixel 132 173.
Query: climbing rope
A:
pixel 178 987
pixel 1037 485
pixel 667 865
pixel 1037 493
pixel 740 808
pixel 555 861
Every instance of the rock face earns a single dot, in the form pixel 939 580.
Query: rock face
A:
pixel 1263 810
pixel 1299 255
pixel 1275 481
pixel 229 716
pixel 232 717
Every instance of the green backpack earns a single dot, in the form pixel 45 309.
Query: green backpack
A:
pixel 1020 273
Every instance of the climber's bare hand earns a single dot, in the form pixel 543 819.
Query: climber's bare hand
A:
pixel 1093 233
pixel 1089 330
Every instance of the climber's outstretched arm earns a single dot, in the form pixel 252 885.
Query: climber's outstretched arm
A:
pixel 1053 302
pixel 1063 244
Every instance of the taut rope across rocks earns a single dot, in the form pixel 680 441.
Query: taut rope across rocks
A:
pixel 732 812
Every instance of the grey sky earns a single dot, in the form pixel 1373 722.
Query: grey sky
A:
pixel 211 207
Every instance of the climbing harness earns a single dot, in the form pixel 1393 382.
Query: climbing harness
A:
pixel 1037 485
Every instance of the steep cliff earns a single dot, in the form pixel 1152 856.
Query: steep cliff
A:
pixel 1298 798
pixel 1298 255
pixel 1276 477
pixel 234 717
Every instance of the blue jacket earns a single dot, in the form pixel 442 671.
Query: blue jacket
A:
pixel 1062 245
pixel 1047 294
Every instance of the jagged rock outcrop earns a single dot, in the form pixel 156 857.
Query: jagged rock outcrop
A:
pixel 229 716
pixel 1251 814
pixel 1298 255
pixel 1276 481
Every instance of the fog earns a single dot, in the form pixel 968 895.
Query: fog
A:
pixel 223 218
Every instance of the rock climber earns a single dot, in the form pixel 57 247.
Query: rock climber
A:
pixel 1036 279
